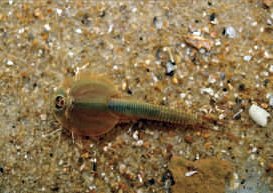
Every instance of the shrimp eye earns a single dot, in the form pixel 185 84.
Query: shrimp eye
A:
pixel 59 102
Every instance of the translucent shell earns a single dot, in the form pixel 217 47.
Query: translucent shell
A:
pixel 86 110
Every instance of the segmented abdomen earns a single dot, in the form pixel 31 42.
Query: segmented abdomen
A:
pixel 151 112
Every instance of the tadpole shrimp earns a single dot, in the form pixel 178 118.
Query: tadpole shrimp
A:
pixel 90 105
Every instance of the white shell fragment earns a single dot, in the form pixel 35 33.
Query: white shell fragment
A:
pixel 230 32
pixel 258 115
pixel 190 173
pixel 10 63
pixel 247 58
pixel 209 91
pixel 271 101
pixel 271 68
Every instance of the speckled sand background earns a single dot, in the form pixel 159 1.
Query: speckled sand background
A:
pixel 206 57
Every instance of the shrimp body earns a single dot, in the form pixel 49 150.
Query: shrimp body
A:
pixel 91 106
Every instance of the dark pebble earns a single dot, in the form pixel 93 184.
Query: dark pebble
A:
pixel 155 20
pixel 129 91
pixel 225 89
pixel 35 85
pixel 70 71
pixel 94 166
pixel 151 181
pixel 196 21
pixel 80 160
pixel 86 20
pixel 212 17
pixel 55 189
pixel 241 87
pixel 243 181
pixel 238 101
pixel 1 170
pixel 224 32
pixel 168 176
pixel 171 73
pixel 212 101
pixel 266 81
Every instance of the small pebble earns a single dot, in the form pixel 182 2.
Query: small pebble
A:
pixel 59 11
pixel 241 87
pixel 47 27
pixel 197 33
pixel 182 95
pixel 78 30
pixel 229 32
pixel 199 42
pixel 221 116
pixel 70 54
pixel 222 76
pixel 38 13
pixel 213 19
pixel 190 173
pixel 43 117
pixel 258 115
pixel 94 166
pixel 134 9
pixel 168 177
pixel 266 81
pixel 157 22
pixel 102 13
pixel 21 30
pixel 139 143
pixel 253 24
pixel 110 28
pixel 209 91
pixel 270 100
pixel 188 139
pixel 217 42
pixel 247 58
pixel 151 181
pixel 271 68
pixel 211 79
pixel 237 115
pixel 10 63
pixel 170 68
pixel 135 135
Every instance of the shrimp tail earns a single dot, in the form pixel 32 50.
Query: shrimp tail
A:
pixel 141 110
